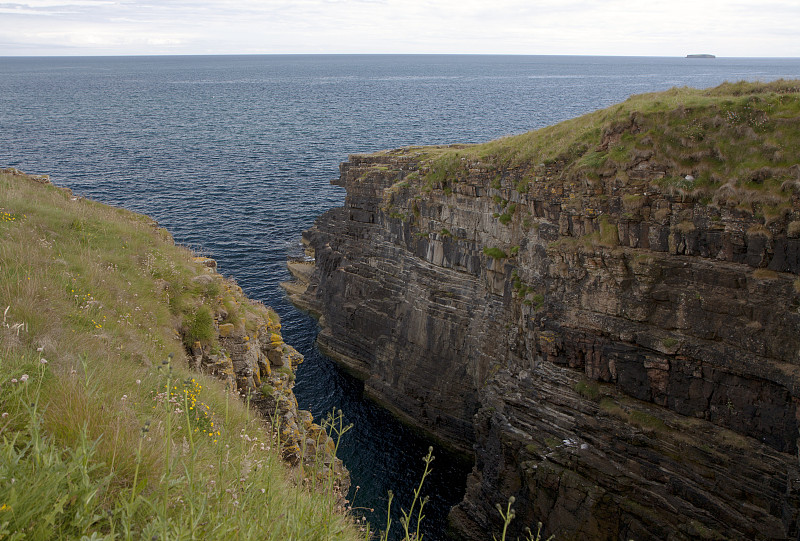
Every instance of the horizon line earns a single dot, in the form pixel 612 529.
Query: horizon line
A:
pixel 141 55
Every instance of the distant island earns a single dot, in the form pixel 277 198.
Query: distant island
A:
pixel 700 56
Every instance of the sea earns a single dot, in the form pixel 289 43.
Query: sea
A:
pixel 234 155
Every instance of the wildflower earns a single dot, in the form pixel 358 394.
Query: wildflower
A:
pixel 138 382
pixel 5 414
pixel 13 380
pixel 42 361
pixel 40 349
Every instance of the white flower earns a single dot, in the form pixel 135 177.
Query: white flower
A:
pixel 40 350
pixel 23 378
pixel 5 414
pixel 13 380
pixel 42 361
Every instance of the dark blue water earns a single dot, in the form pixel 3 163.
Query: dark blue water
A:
pixel 233 155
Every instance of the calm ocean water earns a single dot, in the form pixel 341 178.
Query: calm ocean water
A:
pixel 233 154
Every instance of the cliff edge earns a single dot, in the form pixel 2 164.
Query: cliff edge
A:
pixel 129 371
pixel 605 312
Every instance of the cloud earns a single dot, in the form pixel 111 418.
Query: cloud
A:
pixel 742 28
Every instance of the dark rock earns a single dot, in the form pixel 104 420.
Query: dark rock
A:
pixel 640 385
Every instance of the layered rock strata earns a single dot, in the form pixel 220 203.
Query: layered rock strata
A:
pixel 624 363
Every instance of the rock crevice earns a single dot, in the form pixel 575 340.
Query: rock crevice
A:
pixel 627 365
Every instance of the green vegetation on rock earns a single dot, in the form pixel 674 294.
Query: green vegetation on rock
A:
pixel 104 429
pixel 494 252
pixel 736 144
pixel 200 327
pixel 588 389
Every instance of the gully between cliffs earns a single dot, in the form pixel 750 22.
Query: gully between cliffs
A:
pixel 624 365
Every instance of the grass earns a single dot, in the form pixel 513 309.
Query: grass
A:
pixel 200 327
pixel 609 234
pixel 765 274
pixel 494 252
pixel 636 417
pixel 669 342
pixel 588 389
pixel 738 143
pixel 105 431
pixel 646 421
pixel 508 215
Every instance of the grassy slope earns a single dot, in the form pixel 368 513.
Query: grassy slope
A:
pixel 739 140
pixel 89 441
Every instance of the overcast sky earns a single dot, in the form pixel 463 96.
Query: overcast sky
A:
pixel 585 27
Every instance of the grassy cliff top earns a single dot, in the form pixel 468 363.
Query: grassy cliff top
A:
pixel 104 431
pixel 729 140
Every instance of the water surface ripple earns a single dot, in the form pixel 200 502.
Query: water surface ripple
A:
pixel 233 154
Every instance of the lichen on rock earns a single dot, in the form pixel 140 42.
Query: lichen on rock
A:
pixel 252 358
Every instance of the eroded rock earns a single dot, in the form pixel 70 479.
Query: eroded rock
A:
pixel 627 365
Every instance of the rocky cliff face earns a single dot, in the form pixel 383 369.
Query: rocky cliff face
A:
pixel 622 358
pixel 253 360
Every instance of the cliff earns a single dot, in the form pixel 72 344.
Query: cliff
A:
pixel 605 312
pixel 247 352
pixel 129 372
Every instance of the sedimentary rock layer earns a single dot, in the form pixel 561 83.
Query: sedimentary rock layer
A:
pixel 625 364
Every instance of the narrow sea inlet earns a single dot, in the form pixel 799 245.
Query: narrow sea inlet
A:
pixel 234 156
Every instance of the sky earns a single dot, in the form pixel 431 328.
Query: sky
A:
pixel 743 28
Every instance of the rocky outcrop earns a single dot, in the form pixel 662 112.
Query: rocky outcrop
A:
pixel 249 354
pixel 623 359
